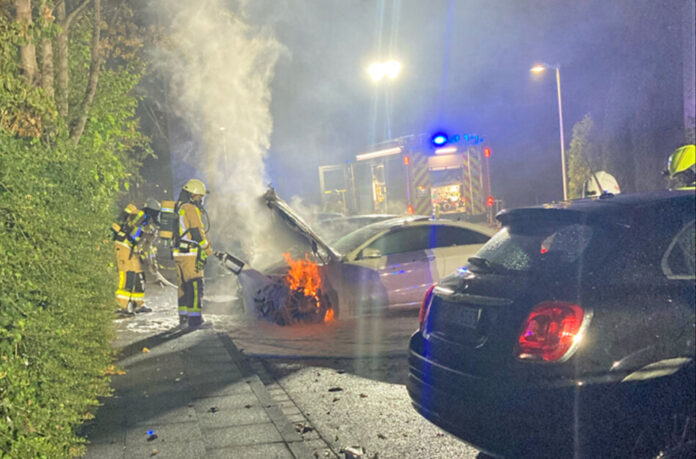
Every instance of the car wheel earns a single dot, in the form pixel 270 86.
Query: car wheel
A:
pixel 673 438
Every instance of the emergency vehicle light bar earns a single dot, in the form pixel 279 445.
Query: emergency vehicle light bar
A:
pixel 378 154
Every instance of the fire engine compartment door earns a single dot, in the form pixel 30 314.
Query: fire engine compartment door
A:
pixel 333 179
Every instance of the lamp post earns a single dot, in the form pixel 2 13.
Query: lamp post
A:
pixel 538 69
pixel 380 70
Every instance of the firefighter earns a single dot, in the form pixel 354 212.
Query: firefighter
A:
pixel 191 250
pixel 135 229
pixel 681 168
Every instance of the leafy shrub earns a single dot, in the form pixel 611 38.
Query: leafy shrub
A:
pixel 57 202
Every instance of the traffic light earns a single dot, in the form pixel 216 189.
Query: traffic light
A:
pixel 487 152
pixel 489 202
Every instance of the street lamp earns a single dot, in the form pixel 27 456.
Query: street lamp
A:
pixel 378 71
pixel 538 69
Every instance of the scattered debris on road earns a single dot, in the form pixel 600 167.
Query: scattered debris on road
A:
pixel 354 452
pixel 335 389
pixel 214 409
pixel 303 428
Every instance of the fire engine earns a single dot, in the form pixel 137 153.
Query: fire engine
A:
pixel 417 174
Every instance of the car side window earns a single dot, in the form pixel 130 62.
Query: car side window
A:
pixel 679 259
pixel 448 236
pixel 403 240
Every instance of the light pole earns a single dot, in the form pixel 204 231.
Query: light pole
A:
pixel 538 69
pixel 380 70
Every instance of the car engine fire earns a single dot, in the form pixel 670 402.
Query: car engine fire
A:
pixel 296 297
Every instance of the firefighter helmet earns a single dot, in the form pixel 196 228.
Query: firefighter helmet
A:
pixel 152 203
pixel 195 187
pixel 681 167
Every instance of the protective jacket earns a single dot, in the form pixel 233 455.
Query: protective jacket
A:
pixel 131 233
pixel 191 249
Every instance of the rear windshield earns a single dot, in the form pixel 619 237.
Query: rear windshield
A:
pixel 521 247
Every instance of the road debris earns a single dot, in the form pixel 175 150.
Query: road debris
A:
pixel 145 350
pixel 335 389
pixel 354 452
pixel 112 370
pixel 151 435
pixel 214 409
pixel 303 428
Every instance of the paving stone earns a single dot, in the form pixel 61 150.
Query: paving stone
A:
pixel 184 431
pixel 264 451
pixel 215 374
pixel 240 400
pixel 154 415
pixel 288 412
pixel 233 417
pixel 215 389
pixel 320 449
pixel 242 435
pixel 167 450
pixel 296 418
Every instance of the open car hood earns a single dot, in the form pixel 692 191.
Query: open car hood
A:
pixel 296 223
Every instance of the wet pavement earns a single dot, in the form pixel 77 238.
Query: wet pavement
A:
pixel 190 394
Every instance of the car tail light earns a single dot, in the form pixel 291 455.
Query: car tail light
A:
pixel 425 307
pixel 551 332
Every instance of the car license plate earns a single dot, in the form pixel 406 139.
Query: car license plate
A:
pixel 465 317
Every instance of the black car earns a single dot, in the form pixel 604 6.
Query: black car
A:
pixel 569 334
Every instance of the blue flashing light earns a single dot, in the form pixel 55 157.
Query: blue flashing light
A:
pixel 439 139
pixel 150 432
pixel 462 270
pixel 455 138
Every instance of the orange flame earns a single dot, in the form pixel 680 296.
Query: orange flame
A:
pixel 304 276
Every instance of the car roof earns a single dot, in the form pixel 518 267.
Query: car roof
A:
pixel 422 220
pixel 618 207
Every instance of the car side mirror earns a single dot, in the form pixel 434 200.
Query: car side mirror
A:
pixel 370 253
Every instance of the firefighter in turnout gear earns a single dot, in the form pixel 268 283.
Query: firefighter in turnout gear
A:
pixel 191 250
pixel 132 234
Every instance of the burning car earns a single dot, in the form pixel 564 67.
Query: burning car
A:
pixel 385 264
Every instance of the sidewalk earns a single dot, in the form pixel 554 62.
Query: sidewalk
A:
pixel 193 395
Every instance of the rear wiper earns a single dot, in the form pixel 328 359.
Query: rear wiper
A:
pixel 487 265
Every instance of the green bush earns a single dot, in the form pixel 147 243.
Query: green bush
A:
pixel 57 283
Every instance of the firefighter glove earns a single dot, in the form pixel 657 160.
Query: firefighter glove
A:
pixel 201 259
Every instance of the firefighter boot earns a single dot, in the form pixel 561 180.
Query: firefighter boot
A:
pixel 195 321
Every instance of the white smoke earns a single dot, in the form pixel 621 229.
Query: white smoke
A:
pixel 219 70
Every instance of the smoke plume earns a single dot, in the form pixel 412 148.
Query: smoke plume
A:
pixel 219 69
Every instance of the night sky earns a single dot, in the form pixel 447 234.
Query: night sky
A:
pixel 465 69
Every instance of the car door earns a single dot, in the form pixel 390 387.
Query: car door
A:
pixel 404 262
pixel 454 245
